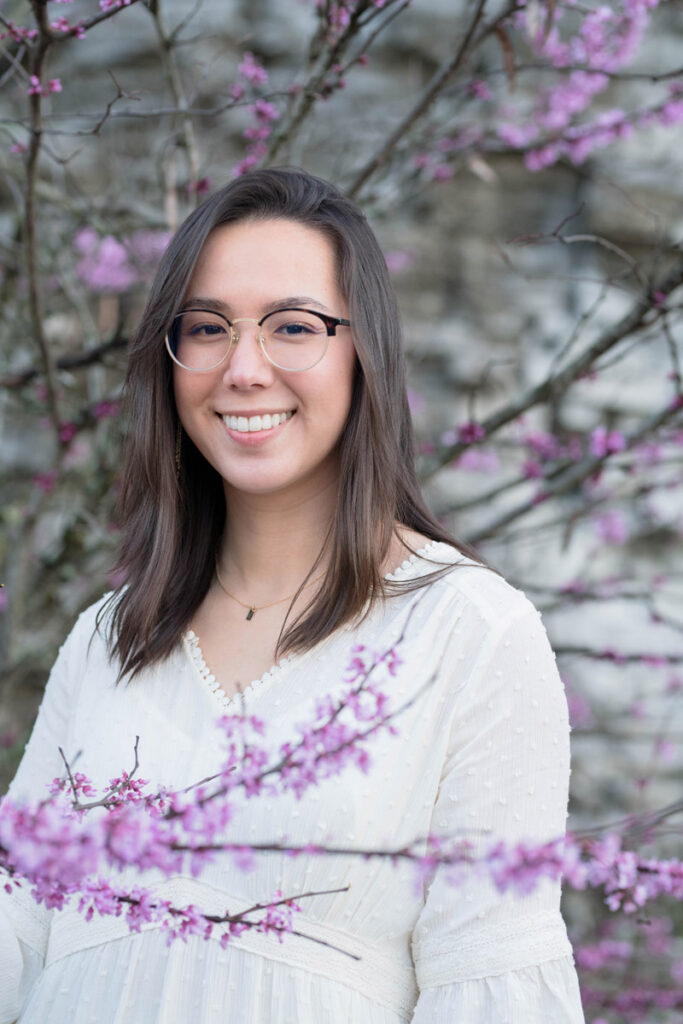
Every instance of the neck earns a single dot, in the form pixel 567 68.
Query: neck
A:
pixel 270 542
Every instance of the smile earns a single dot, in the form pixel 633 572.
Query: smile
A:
pixel 250 424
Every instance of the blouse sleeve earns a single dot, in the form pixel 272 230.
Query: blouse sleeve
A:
pixel 24 924
pixel 482 956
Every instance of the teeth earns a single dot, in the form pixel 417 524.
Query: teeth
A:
pixel 249 424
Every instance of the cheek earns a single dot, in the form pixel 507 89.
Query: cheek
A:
pixel 188 393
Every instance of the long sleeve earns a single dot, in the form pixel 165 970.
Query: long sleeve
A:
pixel 24 924
pixel 481 956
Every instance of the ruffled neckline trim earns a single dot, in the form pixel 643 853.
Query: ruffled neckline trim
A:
pixel 418 564
pixel 196 656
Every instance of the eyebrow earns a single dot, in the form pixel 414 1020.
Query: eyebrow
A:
pixel 204 302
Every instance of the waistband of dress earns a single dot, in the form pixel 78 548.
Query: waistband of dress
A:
pixel 385 975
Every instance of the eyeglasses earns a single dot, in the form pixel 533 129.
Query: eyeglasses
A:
pixel 291 339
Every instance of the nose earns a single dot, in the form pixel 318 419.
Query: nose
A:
pixel 247 365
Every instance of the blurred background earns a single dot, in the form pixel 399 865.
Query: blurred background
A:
pixel 522 167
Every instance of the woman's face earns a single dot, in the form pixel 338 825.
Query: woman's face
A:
pixel 245 270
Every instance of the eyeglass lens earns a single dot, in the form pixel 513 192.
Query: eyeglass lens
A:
pixel 292 339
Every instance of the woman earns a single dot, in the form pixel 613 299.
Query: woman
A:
pixel 272 519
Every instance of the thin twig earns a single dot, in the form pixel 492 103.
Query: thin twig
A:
pixel 642 314
pixel 438 82
pixel 572 477
pixel 38 55
pixel 75 360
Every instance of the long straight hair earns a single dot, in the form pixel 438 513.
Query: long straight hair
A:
pixel 172 525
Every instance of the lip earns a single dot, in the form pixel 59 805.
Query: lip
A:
pixel 254 412
pixel 254 438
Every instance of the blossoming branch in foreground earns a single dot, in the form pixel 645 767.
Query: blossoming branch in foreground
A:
pixel 64 852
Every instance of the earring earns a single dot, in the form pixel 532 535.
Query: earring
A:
pixel 178 444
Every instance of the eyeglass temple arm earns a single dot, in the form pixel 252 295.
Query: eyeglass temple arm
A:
pixel 333 322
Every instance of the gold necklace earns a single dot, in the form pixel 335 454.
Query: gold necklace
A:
pixel 252 608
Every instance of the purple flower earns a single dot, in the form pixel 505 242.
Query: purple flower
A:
pixel 251 70
pixel 606 442
pixel 471 432
pixel 611 527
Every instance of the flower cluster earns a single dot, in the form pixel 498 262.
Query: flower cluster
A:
pixel 108 264
pixel 112 5
pixel 36 87
pixel 64 851
pixel 598 44
pixel 264 114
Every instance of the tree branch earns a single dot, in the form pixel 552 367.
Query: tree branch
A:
pixel 643 314
pixel 438 82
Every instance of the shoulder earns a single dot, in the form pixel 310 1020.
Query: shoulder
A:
pixel 462 586
pixel 90 628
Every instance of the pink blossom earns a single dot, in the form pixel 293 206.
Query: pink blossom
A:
pixel 200 187
pixel 517 136
pixel 265 111
pixel 442 172
pixel 46 482
pixel 546 445
pixel 85 240
pixel 245 165
pixel 671 112
pixel 544 156
pixel 580 713
pixel 479 89
pixel 104 409
pixel 471 432
pixel 66 432
pixel 35 88
pixel 109 265
pixel 111 5
pixel 479 460
pixel 399 260
pixel 416 402
pixel 611 527
pixel 55 85
pixel 251 70
pixel 532 469
pixel 606 442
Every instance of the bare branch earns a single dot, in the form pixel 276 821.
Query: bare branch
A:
pixel 439 81
pixel 642 315
pixel 38 55
pixel 88 23
pixel 74 361
pixel 575 475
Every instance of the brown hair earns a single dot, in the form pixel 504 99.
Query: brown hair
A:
pixel 172 527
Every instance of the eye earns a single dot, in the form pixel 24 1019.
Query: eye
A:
pixel 198 326
pixel 294 330
pixel 207 330
pixel 293 325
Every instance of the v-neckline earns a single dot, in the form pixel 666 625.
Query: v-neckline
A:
pixel 195 654
pixel 193 650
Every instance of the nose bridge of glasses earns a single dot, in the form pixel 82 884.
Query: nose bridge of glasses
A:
pixel 246 320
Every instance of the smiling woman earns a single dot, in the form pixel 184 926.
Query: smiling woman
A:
pixel 272 521
pixel 248 269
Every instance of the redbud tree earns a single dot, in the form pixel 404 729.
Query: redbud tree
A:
pixel 520 163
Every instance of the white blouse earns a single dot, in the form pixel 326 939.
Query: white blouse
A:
pixel 482 752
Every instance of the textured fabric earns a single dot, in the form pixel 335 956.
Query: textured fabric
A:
pixel 482 752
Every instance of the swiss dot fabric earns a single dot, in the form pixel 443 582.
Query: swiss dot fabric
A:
pixel 482 752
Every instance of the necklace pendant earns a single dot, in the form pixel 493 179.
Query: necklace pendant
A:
pixel 250 614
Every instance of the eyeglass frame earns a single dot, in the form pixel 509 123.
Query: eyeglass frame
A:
pixel 331 325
